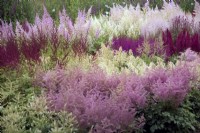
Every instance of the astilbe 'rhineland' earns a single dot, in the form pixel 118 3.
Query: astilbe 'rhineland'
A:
pixel 95 99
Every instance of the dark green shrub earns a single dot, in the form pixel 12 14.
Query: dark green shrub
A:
pixel 161 117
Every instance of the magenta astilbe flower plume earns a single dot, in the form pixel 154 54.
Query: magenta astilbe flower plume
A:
pixel 183 41
pixel 168 43
pixel 9 54
pixel 179 24
pixel 31 50
pixel 195 42
pixel 32 44
pixel 127 44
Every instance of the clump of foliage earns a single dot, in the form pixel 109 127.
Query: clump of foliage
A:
pixel 23 110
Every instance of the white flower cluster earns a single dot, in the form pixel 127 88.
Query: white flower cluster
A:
pixel 136 21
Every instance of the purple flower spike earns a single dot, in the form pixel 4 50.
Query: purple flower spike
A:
pixel 127 44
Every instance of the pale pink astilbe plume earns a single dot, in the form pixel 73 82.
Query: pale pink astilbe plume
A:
pixel 81 27
pixel 93 97
pixel 170 86
pixel 171 10
pixel 6 31
pixel 154 26
pixel 134 90
pixel 81 33
pixel 65 28
pixel 116 12
pixel 75 33
pixel 47 23
pixel 44 25
pixel 37 26
pixel 153 22
pixel 23 31
pixel 189 55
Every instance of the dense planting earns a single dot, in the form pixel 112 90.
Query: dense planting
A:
pixel 133 69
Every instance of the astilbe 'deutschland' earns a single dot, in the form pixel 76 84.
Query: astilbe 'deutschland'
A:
pixel 95 99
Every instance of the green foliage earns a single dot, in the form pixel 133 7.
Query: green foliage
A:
pixel 17 119
pixel 193 104
pixel 13 10
pixel 161 117
pixel 22 111
pixel 186 5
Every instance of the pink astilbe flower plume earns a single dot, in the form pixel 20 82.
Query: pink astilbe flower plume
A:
pixel 93 98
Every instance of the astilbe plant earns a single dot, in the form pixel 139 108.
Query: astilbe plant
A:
pixel 75 34
pixel 183 41
pixel 189 55
pixel 44 35
pixel 9 52
pixel 181 23
pixel 6 31
pixel 103 103
pixel 96 100
pixel 170 85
